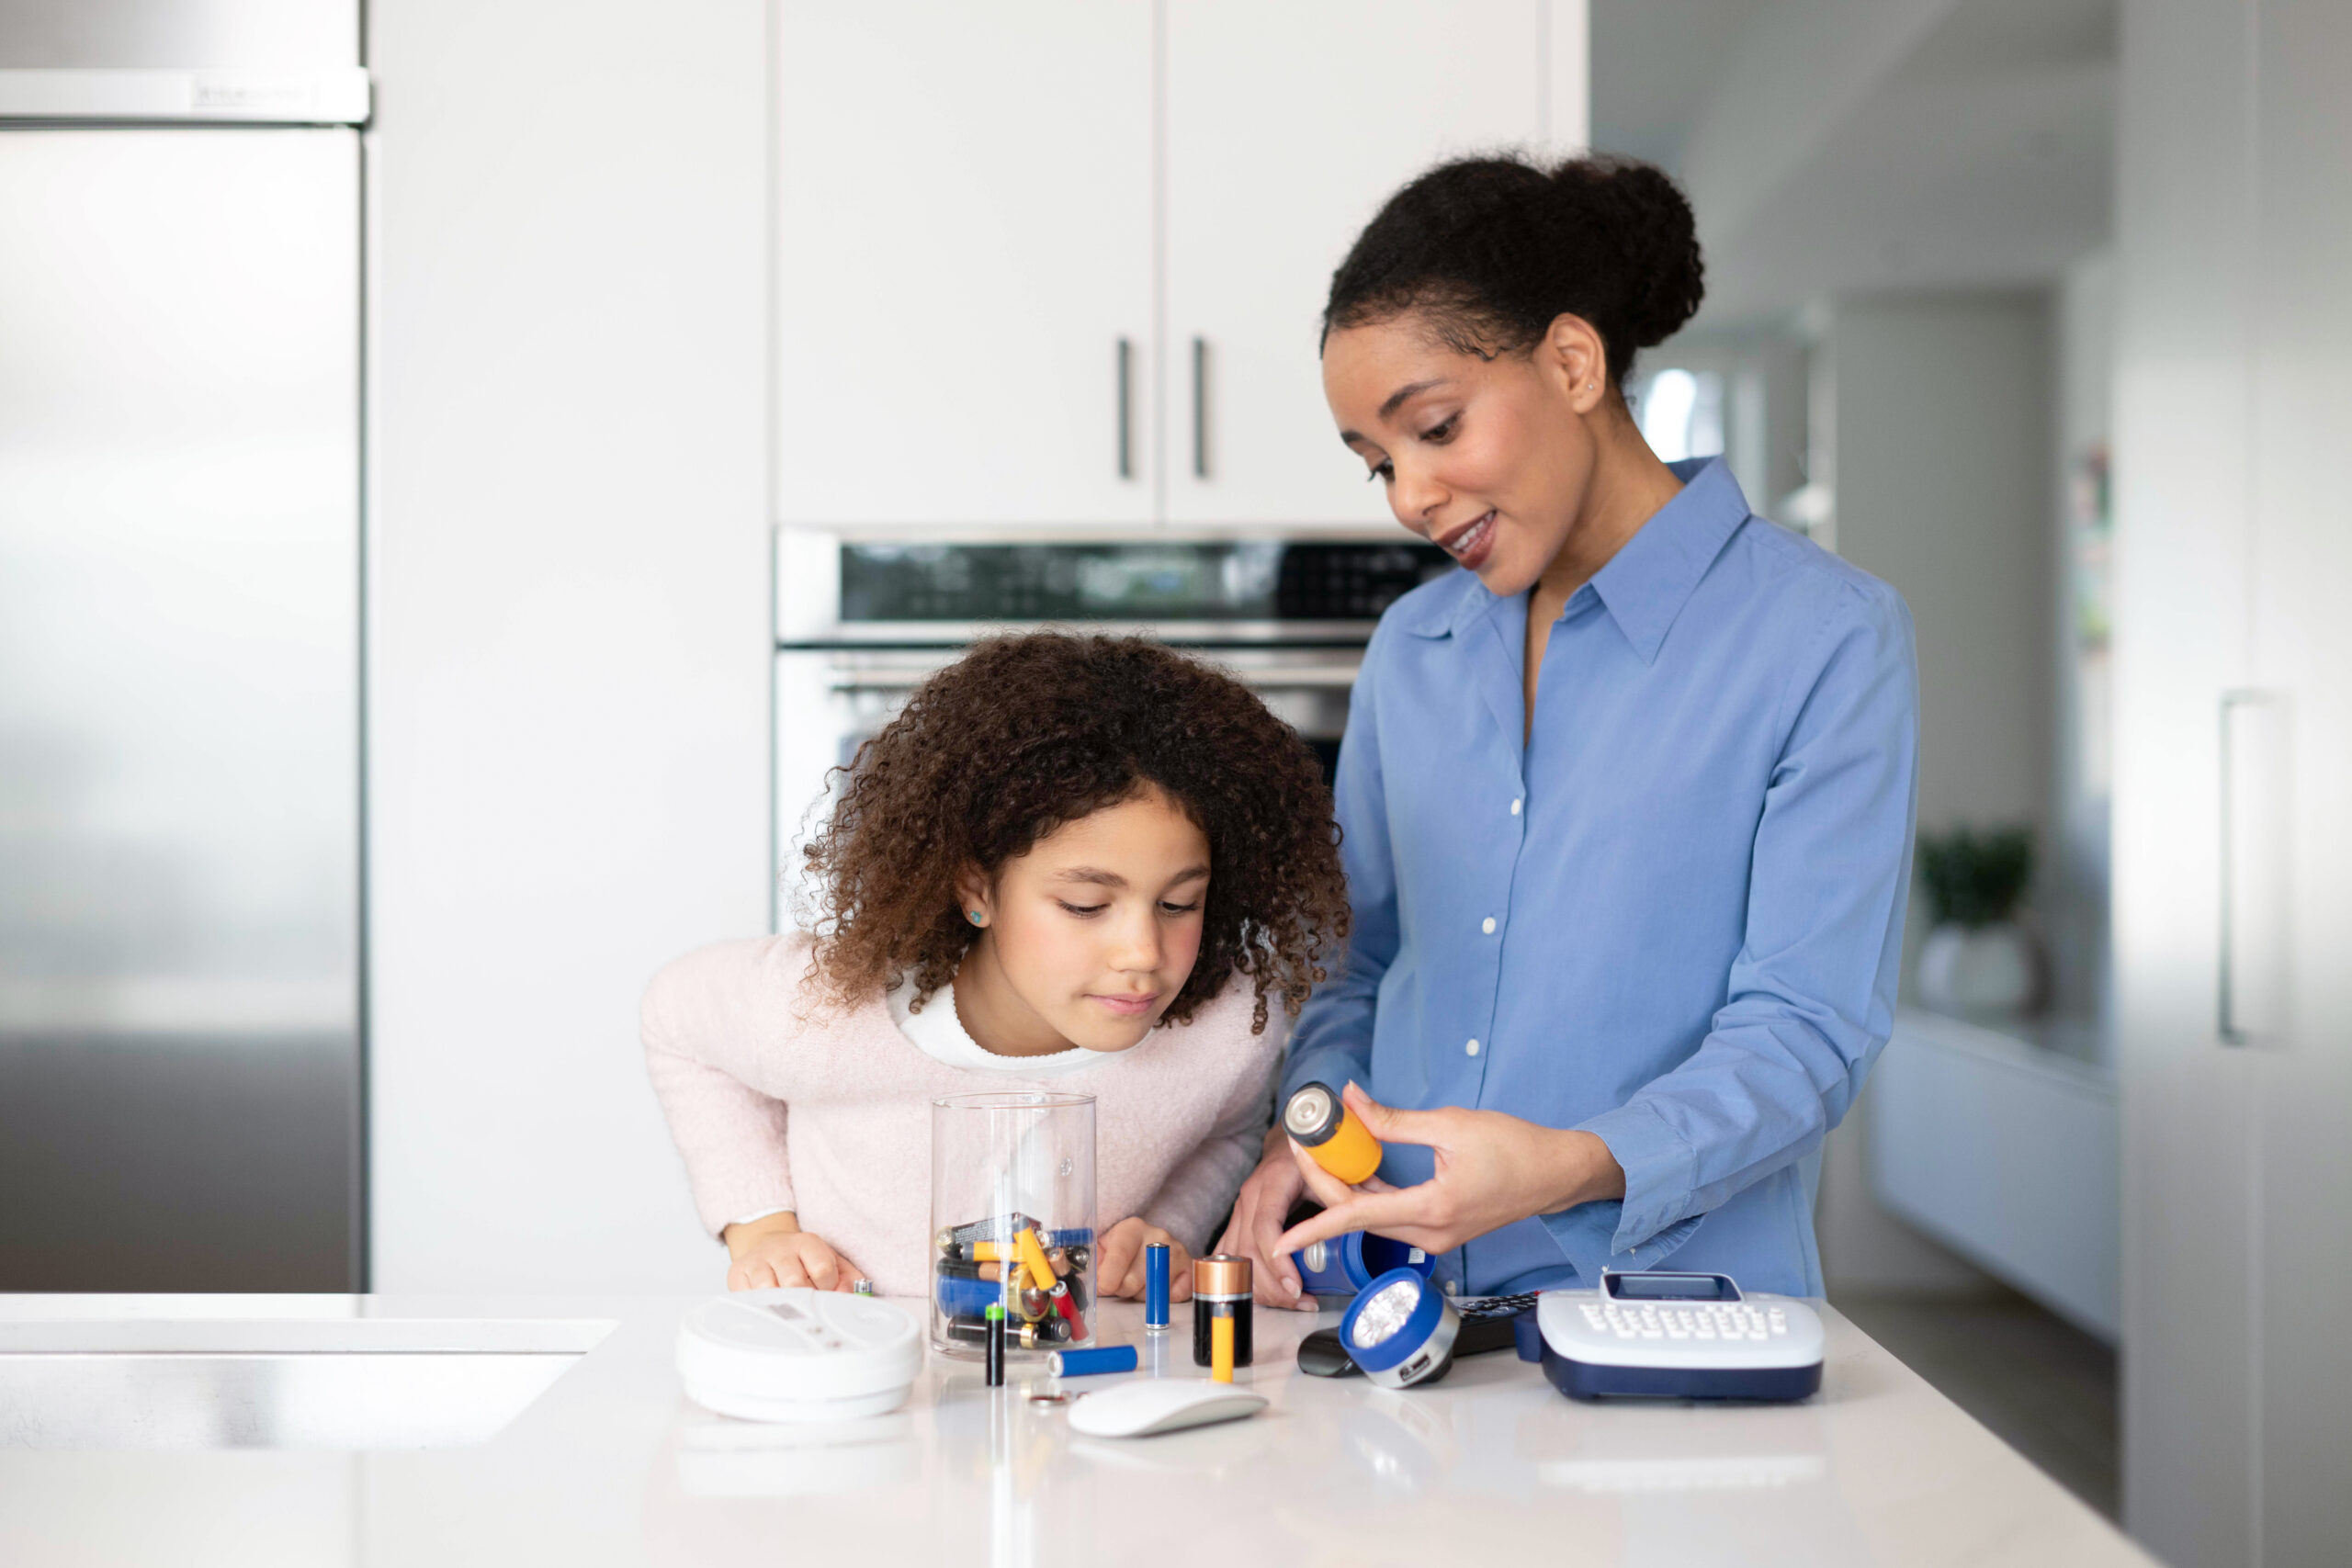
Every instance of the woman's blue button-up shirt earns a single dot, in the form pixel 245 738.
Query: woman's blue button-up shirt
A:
pixel 1672 917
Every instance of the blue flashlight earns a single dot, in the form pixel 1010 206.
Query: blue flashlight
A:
pixel 1400 1330
pixel 1346 1264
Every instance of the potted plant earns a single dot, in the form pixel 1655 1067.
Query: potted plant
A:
pixel 1977 961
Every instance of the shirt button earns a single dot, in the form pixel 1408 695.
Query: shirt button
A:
pixel 1471 1049
pixel 1489 927
pixel 1514 807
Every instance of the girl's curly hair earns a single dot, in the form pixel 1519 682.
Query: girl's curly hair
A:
pixel 1026 733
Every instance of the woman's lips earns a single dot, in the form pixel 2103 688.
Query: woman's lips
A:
pixel 1128 1007
pixel 1470 545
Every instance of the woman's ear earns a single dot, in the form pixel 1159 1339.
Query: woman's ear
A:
pixel 973 894
pixel 1573 358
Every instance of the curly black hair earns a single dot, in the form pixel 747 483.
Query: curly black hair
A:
pixel 1026 733
pixel 1491 251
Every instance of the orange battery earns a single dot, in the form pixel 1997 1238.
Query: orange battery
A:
pixel 1320 1123
pixel 1221 1349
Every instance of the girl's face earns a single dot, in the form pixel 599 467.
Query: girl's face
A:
pixel 1091 934
pixel 1491 459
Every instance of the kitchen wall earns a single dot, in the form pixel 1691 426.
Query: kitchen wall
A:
pixel 569 614
pixel 1931 430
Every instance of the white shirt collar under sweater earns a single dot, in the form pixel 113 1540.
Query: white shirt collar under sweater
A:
pixel 940 1035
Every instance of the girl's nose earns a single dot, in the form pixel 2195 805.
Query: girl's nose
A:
pixel 1135 947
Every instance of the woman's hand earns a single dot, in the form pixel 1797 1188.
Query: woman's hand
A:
pixel 1258 1216
pixel 1118 1261
pixel 1492 1169
pixel 774 1250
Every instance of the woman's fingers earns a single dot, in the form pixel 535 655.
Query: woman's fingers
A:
pixel 1405 1214
pixel 1394 1126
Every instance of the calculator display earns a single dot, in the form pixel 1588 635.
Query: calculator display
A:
pixel 1672 1287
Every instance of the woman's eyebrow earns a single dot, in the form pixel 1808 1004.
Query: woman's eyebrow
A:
pixel 1410 389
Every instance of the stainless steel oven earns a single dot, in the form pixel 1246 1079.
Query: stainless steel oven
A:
pixel 863 617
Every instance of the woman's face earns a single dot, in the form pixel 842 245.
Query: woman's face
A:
pixel 1489 458
pixel 1096 928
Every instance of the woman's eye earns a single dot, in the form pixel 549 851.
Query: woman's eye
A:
pixel 1082 909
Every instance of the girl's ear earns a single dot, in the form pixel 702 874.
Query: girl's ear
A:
pixel 972 893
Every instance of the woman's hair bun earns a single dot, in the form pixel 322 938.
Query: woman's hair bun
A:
pixel 1492 250
pixel 1655 235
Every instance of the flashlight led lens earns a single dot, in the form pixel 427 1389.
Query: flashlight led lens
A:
pixel 1386 1313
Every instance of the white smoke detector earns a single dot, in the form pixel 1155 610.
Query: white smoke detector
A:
pixel 799 1354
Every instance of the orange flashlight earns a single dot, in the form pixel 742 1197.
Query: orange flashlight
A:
pixel 1321 1123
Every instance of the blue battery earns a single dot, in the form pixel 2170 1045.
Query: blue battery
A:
pixel 967 1298
pixel 1155 1286
pixel 1086 1363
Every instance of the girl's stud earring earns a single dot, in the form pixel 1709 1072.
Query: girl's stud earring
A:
pixel 974 916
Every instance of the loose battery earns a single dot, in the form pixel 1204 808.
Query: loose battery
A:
pixel 1155 1288
pixel 1223 1317
pixel 1087 1363
pixel 1319 1121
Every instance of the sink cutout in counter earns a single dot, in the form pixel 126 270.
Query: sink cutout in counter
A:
pixel 349 1384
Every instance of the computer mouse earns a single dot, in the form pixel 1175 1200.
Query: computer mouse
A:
pixel 1160 1404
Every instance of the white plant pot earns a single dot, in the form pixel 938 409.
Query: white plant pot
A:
pixel 1989 972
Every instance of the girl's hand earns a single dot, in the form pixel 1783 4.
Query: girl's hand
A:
pixel 1258 1215
pixel 1492 1169
pixel 776 1251
pixel 1118 1265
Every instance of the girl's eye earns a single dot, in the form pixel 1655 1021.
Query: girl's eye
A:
pixel 1380 471
pixel 1440 433
pixel 1180 909
pixel 1082 909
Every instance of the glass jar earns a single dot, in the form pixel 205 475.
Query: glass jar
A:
pixel 1012 1198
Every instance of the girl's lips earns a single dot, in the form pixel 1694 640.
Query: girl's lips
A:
pixel 1128 1007
pixel 1470 545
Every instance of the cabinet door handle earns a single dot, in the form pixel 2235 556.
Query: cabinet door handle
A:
pixel 2231 1028
pixel 1126 409
pixel 1200 407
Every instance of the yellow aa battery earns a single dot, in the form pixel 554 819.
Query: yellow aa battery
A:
pixel 1319 1121
pixel 1221 1349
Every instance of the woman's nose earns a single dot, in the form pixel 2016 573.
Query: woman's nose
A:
pixel 1415 496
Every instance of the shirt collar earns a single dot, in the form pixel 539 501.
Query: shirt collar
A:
pixel 1645 585
pixel 1652 575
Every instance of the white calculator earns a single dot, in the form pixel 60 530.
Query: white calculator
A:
pixel 1661 1334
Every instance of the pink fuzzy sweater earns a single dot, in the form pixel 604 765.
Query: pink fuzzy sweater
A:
pixel 1177 1117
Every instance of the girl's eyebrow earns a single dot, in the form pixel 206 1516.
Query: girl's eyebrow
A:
pixel 1113 879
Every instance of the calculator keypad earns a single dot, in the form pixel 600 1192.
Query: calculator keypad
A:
pixel 1705 1322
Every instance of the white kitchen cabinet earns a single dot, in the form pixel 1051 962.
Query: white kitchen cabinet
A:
pixel 1063 261
pixel 2233 851
pixel 1287 127
pixel 963 242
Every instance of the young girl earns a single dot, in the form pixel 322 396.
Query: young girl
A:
pixel 1081 863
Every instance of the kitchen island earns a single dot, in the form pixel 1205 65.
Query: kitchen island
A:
pixel 137 1429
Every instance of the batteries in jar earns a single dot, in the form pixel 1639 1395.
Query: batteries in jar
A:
pixel 1223 1319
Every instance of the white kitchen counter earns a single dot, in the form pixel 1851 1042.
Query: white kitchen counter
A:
pixel 611 1465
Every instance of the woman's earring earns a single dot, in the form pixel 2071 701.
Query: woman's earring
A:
pixel 974 916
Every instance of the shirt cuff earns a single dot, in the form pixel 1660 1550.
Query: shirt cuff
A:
pixel 764 1213
pixel 1660 1171
pixel 1587 1236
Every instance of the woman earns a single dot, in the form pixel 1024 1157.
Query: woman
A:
pixel 1627 803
